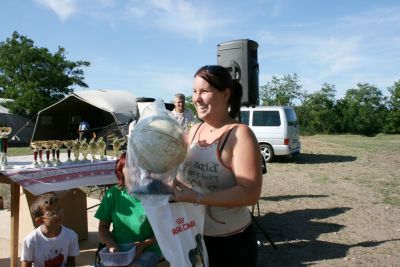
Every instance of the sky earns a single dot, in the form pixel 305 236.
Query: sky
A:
pixel 152 48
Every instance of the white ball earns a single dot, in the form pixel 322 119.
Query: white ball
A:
pixel 158 144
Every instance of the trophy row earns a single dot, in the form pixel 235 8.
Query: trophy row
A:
pixel 50 149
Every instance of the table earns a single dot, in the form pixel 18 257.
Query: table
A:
pixel 46 179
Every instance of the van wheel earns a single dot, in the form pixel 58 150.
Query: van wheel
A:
pixel 267 152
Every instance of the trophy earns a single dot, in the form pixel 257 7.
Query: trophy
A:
pixel 101 145
pixel 93 149
pixel 57 144
pixel 35 147
pixel 84 149
pixel 76 147
pixel 53 152
pixel 117 143
pixel 39 145
pixel 4 133
pixel 68 144
pixel 48 146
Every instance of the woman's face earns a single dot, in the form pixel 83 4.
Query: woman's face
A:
pixel 207 99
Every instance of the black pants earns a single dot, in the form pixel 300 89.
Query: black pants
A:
pixel 238 250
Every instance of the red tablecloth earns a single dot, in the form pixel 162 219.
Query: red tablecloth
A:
pixel 62 177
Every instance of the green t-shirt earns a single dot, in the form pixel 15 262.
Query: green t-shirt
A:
pixel 128 218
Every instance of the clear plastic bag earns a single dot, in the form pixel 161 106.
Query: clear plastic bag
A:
pixel 156 147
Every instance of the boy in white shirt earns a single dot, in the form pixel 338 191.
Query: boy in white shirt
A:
pixel 51 244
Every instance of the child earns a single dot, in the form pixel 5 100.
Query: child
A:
pixel 51 244
pixel 129 222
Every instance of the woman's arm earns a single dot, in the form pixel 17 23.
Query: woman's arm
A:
pixel 242 154
pixel 106 236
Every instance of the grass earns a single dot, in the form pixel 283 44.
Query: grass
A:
pixel 375 164
pixel 18 151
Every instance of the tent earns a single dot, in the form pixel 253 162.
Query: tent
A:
pixel 22 128
pixel 108 113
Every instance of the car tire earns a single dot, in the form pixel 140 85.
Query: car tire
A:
pixel 267 152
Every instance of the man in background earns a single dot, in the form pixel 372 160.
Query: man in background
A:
pixel 84 130
pixel 184 116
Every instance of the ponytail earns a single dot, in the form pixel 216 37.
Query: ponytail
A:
pixel 235 99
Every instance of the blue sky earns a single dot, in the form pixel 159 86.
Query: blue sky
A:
pixel 152 48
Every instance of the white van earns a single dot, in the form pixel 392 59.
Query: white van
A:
pixel 276 129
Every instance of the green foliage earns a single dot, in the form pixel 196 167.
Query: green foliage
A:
pixel 34 77
pixel 281 91
pixel 392 123
pixel 317 113
pixel 363 110
pixel 189 104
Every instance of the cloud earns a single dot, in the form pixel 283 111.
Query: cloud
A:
pixel 179 16
pixel 183 17
pixel 143 80
pixel 363 47
pixel 63 8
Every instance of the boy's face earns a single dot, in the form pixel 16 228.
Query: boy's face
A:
pixel 52 215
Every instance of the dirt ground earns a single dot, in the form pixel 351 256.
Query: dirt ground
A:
pixel 336 204
pixel 326 207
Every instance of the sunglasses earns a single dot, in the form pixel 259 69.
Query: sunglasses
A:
pixel 213 69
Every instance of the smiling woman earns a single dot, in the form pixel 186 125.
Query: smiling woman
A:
pixel 218 168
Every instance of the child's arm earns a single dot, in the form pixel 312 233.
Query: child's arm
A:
pixel 106 236
pixel 70 261
pixel 26 264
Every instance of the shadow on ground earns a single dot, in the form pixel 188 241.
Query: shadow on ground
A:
pixel 304 158
pixel 295 233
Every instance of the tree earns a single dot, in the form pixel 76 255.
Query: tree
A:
pixel 317 113
pixel 281 91
pixel 392 123
pixel 34 77
pixel 363 110
pixel 189 104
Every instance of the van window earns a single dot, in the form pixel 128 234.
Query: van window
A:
pixel 266 118
pixel 244 117
pixel 291 117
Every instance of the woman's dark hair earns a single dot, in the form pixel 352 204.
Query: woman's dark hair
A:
pixel 220 78
pixel 119 166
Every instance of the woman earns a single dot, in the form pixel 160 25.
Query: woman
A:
pixel 130 223
pixel 222 170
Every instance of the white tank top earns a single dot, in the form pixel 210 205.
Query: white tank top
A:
pixel 204 171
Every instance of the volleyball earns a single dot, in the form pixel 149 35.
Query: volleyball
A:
pixel 158 143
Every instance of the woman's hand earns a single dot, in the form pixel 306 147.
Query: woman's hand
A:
pixel 140 247
pixel 183 193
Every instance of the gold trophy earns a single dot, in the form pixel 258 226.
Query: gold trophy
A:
pixel 101 146
pixel 93 149
pixel 53 152
pixel 35 147
pixel 4 133
pixel 48 146
pixel 76 147
pixel 57 144
pixel 40 145
pixel 84 149
pixel 117 143
pixel 68 144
